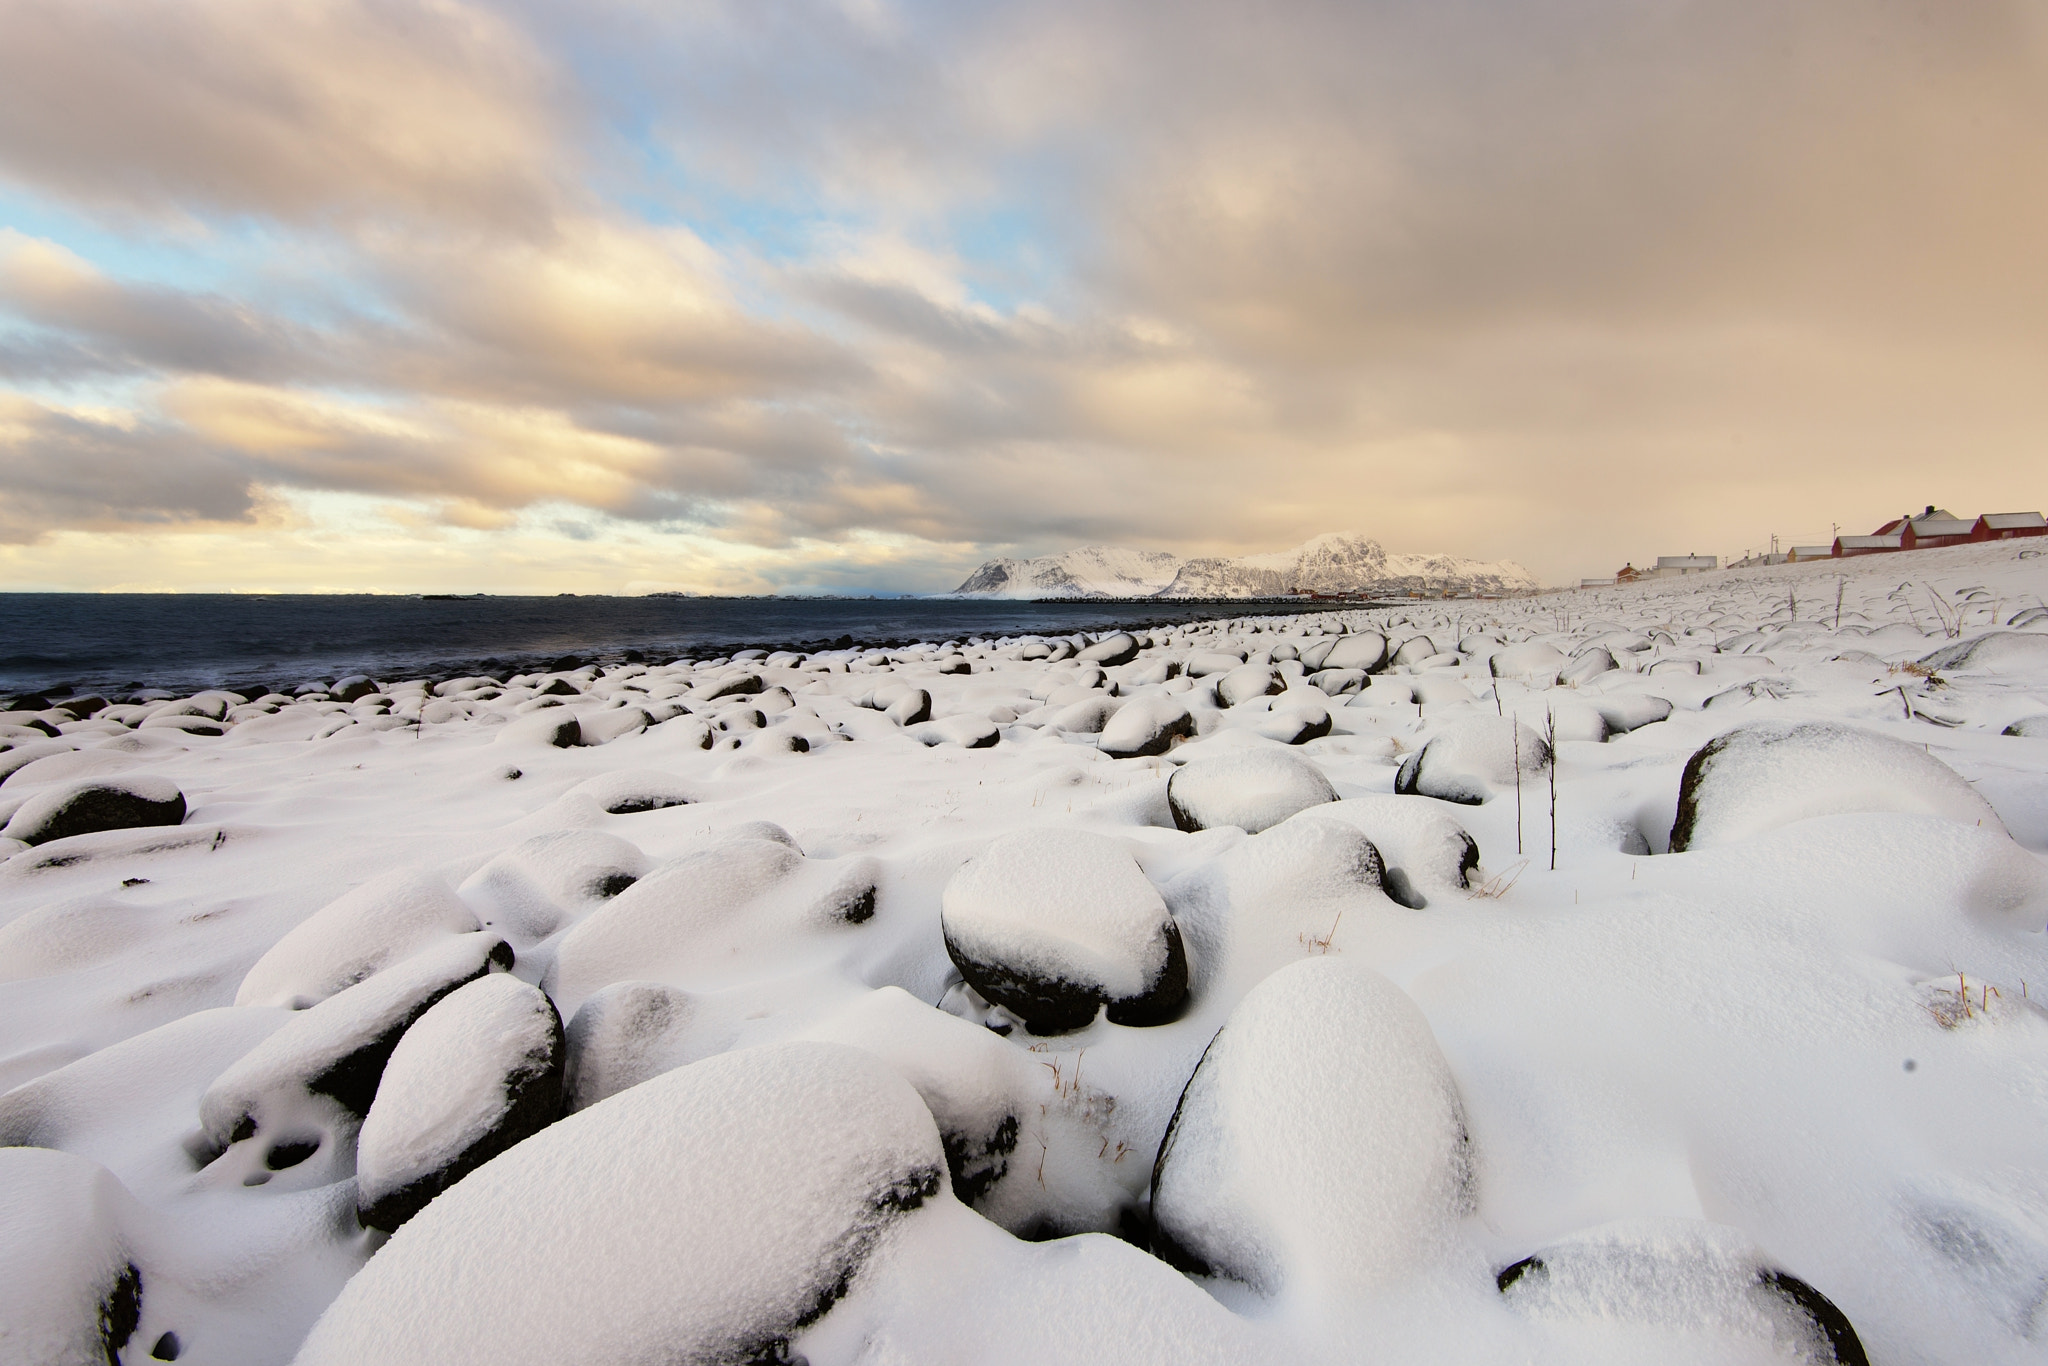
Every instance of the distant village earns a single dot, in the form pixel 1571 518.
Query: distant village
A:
pixel 1926 530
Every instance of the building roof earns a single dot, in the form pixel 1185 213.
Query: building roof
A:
pixel 1686 561
pixel 2008 521
pixel 1880 541
pixel 1927 527
pixel 1813 552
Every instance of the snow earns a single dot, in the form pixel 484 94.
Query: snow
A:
pixel 1805 1046
pixel 703 1216
pixel 64 1262
pixel 1251 789
pixel 1060 906
pixel 457 1075
pixel 1319 1152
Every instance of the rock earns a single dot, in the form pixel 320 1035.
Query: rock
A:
pixel 309 1082
pixel 628 792
pixel 480 1071
pixel 541 884
pixel 1337 682
pixel 1296 724
pixel 1245 683
pixel 114 803
pixel 705 1216
pixel 1697 1280
pixel 1424 852
pixel 1532 662
pixel 1439 692
pixel 354 688
pixel 1203 663
pixel 737 685
pixel 2031 727
pixel 1120 648
pixel 1587 664
pixel 21 754
pixel 1086 717
pixel 1319 1150
pixel 385 921
pixel 70 1292
pixel 556 726
pixel 624 1034
pixel 968 732
pixel 1054 924
pixel 1467 762
pixel 1761 777
pixel 602 727
pixel 1632 711
pixel 1413 651
pixel 1251 789
pixel 1145 726
pixel 912 707
pixel 186 722
pixel 1365 651
pixel 2023 653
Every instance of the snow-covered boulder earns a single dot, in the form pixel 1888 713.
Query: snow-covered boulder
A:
pixel 1365 651
pixel 1250 789
pixel 479 1072
pixel 1319 1150
pixel 1204 663
pixel 1533 662
pixel 300 1091
pixel 628 792
pixel 968 732
pixel 624 1034
pixel 1054 924
pixel 1423 852
pixel 1111 650
pixel 2001 652
pixel 1145 726
pixel 355 936
pixel 604 726
pixel 1412 652
pixel 125 802
pixel 70 1294
pixel 1295 722
pixel 718 911
pixel 543 883
pixel 1761 777
pixel 1632 711
pixel 705 1216
pixel 1703 1281
pixel 1588 664
pixel 554 727
pixel 2029 727
pixel 1468 762
pixel 1246 682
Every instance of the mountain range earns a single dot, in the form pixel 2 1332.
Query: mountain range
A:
pixel 1340 562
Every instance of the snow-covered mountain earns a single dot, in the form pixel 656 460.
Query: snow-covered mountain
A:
pixel 1341 562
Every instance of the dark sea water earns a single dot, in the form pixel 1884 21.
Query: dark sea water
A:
pixel 72 642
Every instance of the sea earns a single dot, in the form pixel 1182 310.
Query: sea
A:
pixel 69 643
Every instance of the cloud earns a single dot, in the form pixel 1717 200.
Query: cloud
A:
pixel 285 109
pixel 92 471
pixel 981 277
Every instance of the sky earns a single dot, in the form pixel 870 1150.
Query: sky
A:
pixel 852 295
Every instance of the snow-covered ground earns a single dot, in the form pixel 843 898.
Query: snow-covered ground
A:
pixel 1331 1065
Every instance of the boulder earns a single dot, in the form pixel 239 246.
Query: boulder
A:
pixel 70 1292
pixel 1296 723
pixel 300 1091
pixel 624 1034
pixel 1145 726
pixel 556 726
pixel 1761 777
pixel 968 732
pixel 113 803
pixel 1587 664
pixel 1423 851
pixel 2031 727
pixel 1250 789
pixel 1468 762
pixel 1319 1150
pixel 1632 711
pixel 705 1216
pixel 1533 662
pixel 354 688
pixel 1703 1282
pixel 911 707
pixel 2023 653
pixel 1054 924
pixel 352 938
pixel 1413 651
pixel 480 1071
pixel 1246 682
pixel 1365 651
pixel 1203 663
pixel 602 727
pixel 541 884
pixel 1112 650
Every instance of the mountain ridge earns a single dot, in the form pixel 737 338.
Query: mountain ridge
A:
pixel 1336 562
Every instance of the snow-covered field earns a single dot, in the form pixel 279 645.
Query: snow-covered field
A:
pixel 634 1001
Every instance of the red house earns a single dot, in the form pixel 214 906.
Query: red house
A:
pixel 1934 527
pixel 2002 526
